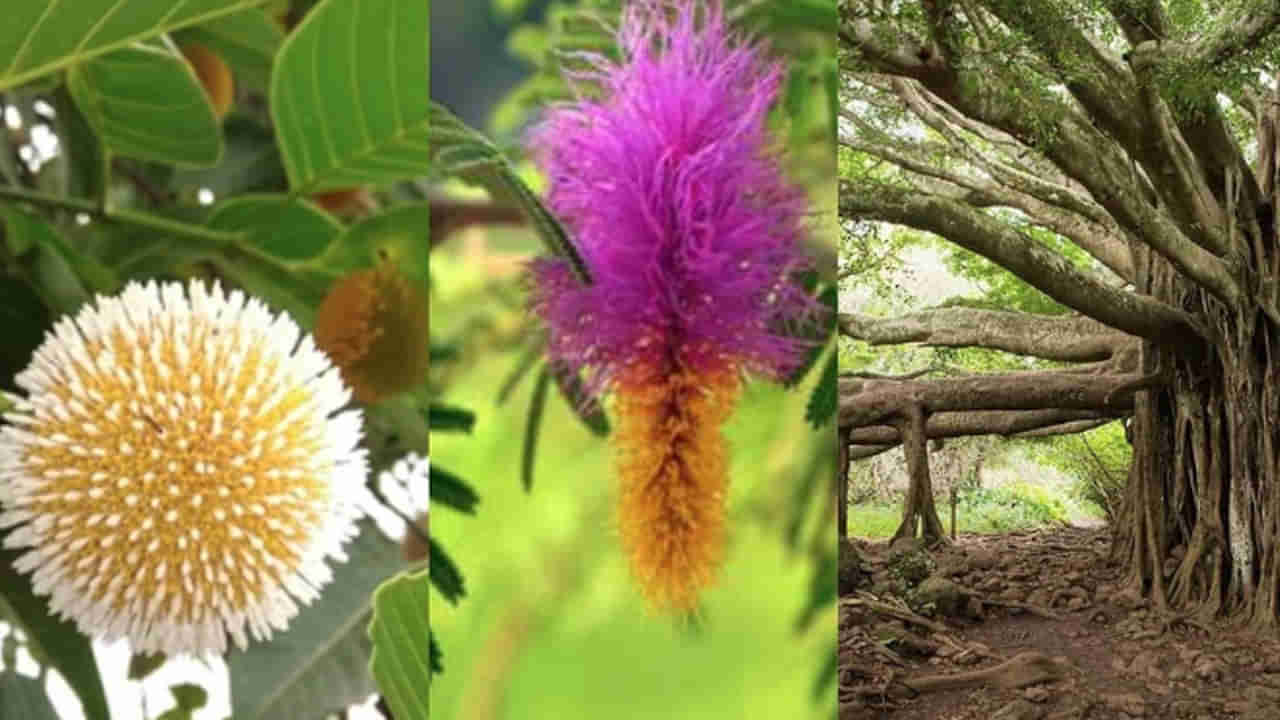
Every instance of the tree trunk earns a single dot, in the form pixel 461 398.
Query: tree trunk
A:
pixel 842 484
pixel 1205 469
pixel 919 508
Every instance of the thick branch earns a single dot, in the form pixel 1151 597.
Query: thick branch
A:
pixel 1052 337
pixel 1206 131
pixel 1068 428
pixel 1080 149
pixel 1128 108
pixel 1050 206
pixel 1233 39
pixel 1052 274
pixel 907 56
pixel 862 452
pixel 980 422
pixel 866 402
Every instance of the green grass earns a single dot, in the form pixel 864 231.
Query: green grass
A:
pixel 553 625
pixel 1017 506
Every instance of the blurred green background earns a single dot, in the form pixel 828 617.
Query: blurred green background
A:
pixel 552 625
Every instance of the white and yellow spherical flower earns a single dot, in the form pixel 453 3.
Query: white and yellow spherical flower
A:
pixel 180 468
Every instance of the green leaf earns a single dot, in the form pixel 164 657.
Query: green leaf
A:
pixel 401 661
pixel 52 277
pixel 24 697
pixel 349 95
pixel 523 365
pixel 143 664
pixel 822 589
pixel 437 657
pixel 588 409
pixel 25 230
pixel 41 36
pixel 83 151
pixel 401 235
pixel 447 418
pixel 320 663
pixel 189 698
pixel 445 575
pixel 532 426
pixel 813 15
pixel 284 227
pixel 819 335
pixel 250 162
pixel 247 40
pixel 24 317
pixel 826 679
pixel 56 641
pixel 451 491
pixel 295 293
pixel 825 397
pixel 461 151
pixel 146 102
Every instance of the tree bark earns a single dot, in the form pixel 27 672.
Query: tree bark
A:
pixel 920 508
pixel 842 484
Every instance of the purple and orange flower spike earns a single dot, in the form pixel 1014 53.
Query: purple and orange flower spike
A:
pixel 669 184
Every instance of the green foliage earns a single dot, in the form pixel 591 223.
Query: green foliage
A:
pixel 824 400
pixel 247 40
pixel 42 36
pixel 1013 507
pixel 450 491
pixel 143 664
pixel 400 663
pixel 908 569
pixel 53 642
pixel 447 418
pixel 1000 289
pixel 369 121
pixel 145 102
pixel 187 698
pixel 575 392
pixel 1098 459
pixel 1018 506
pixel 25 318
pixel 22 696
pixel 320 663
pixel 537 404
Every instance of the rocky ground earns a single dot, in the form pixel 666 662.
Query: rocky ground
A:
pixel 1031 626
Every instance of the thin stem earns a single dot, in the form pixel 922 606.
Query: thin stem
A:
pixel 104 181
pixel 124 216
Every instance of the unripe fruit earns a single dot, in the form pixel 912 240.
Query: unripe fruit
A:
pixel 373 325
pixel 346 202
pixel 214 75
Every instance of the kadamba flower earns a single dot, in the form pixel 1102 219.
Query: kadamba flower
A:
pixel 374 325
pixel 180 468
pixel 690 232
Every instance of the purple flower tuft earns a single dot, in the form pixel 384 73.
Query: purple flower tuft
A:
pixel 677 202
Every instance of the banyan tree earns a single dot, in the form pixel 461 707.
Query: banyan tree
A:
pixel 1119 156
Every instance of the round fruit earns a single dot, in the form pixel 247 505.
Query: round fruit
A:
pixel 214 75
pixel 345 202
pixel 373 325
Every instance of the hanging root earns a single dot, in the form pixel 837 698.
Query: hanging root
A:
pixel 673 466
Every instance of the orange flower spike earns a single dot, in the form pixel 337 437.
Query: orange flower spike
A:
pixel 373 324
pixel 673 469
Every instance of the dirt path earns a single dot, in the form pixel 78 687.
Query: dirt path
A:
pixel 1084 652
